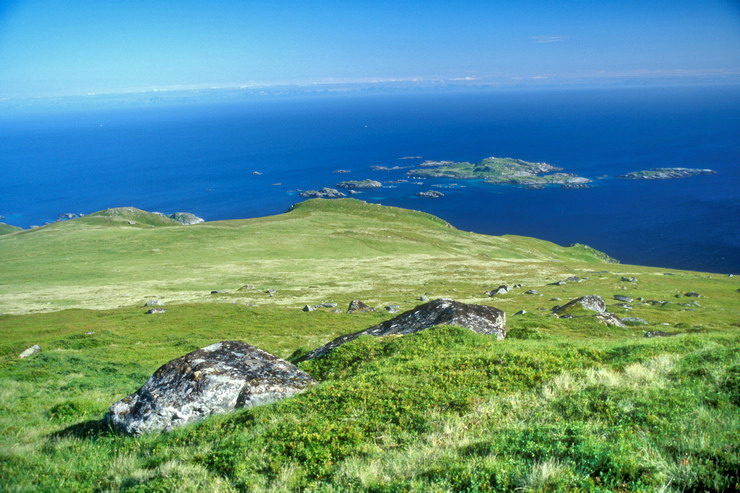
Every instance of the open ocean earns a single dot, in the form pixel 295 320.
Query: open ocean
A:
pixel 200 158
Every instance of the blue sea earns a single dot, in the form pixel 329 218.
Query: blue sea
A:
pixel 201 157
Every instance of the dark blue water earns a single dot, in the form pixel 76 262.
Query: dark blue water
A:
pixel 200 158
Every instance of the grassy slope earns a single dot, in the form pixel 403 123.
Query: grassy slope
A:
pixel 7 228
pixel 561 404
pixel 320 251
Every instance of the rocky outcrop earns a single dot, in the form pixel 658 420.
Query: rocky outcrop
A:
pixel 357 306
pixel 211 380
pixel 186 218
pixel 584 303
pixel 324 193
pixel 478 318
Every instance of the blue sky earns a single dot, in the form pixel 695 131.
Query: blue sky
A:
pixel 69 47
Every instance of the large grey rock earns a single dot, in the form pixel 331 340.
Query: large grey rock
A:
pixel 357 306
pixel 30 351
pixel 478 318
pixel 212 380
pixel 589 302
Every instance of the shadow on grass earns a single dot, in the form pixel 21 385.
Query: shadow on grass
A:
pixel 89 430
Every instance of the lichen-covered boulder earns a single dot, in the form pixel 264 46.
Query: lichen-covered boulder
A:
pixel 582 306
pixel 478 318
pixel 211 380
pixel 357 306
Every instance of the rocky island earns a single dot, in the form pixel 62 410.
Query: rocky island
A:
pixel 357 184
pixel 324 193
pixel 666 173
pixel 501 171
pixel 432 194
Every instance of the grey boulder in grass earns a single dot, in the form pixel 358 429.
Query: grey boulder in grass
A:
pixel 212 380
pixel 478 318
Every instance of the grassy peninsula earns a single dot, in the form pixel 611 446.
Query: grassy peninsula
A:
pixel 559 405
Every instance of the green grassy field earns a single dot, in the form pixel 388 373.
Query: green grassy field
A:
pixel 560 405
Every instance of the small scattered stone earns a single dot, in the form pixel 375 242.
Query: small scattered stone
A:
pixel 517 286
pixel 521 312
pixel 610 319
pixel 154 311
pixel 635 321
pixel 30 351
pixel 625 299
pixel 271 292
pixel 554 299
pixel 218 291
pixel 692 294
pixel 392 308
pixel 308 308
pixel 659 333
pixel 246 287
pixel 503 289
pixel 338 310
pixel 629 279
pixel 423 298
pixel 154 303
pixel 532 291
pixel 92 332
pixel 558 283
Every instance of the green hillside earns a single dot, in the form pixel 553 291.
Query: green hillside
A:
pixel 321 249
pixel 7 228
pixel 559 405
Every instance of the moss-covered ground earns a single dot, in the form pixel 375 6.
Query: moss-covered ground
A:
pixel 560 405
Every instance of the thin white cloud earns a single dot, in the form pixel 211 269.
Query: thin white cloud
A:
pixel 548 38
